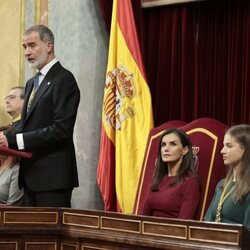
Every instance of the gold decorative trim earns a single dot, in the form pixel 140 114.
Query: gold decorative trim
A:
pixel 49 8
pixel 69 245
pixel 215 138
pixel 40 243
pixel 37 11
pixel 30 222
pixel 10 242
pixel 21 54
pixel 120 229
pixel 81 215
pixel 95 248
pixel 44 13
pixel 219 230
pixel 155 3
pixel 167 225
pixel 144 168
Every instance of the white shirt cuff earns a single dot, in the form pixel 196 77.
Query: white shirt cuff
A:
pixel 20 142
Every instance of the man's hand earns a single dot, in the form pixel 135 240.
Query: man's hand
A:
pixel 3 141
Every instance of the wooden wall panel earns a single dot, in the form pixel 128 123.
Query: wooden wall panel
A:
pixel 70 229
pixel 40 245
pixel 8 244
pixel 69 245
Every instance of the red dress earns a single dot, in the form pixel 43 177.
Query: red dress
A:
pixel 180 201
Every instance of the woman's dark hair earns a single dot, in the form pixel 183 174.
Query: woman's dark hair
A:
pixel 187 167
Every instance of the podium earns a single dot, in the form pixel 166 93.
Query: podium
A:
pixel 13 152
pixel 75 229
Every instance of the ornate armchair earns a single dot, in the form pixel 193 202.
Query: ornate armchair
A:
pixel 206 134
pixel 149 162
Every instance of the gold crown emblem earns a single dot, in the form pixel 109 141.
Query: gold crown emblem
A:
pixel 125 82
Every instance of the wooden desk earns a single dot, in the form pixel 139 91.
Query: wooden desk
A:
pixel 71 229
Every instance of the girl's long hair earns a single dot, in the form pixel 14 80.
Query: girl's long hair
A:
pixel 241 133
pixel 187 167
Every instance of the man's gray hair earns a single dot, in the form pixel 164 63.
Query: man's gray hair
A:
pixel 46 35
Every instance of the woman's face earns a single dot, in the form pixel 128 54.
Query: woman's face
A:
pixel 232 151
pixel 172 149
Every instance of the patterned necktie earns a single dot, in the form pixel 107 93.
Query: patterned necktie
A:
pixel 36 80
pixel 35 86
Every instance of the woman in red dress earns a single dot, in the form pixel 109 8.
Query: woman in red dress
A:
pixel 176 188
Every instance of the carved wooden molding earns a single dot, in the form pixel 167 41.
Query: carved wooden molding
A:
pixel 59 228
pixel 154 3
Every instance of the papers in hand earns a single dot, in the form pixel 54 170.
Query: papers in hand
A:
pixel 13 152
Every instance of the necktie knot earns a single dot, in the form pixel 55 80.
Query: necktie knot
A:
pixel 36 80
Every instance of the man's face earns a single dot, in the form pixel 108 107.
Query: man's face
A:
pixel 14 103
pixel 36 51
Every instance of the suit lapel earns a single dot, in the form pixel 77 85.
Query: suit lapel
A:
pixel 45 84
pixel 28 90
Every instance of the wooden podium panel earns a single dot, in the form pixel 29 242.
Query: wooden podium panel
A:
pixel 74 229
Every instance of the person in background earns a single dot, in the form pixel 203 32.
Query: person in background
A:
pixel 14 105
pixel 48 118
pixel 176 188
pixel 10 194
pixel 231 201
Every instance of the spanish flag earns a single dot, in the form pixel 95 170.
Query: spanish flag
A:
pixel 126 115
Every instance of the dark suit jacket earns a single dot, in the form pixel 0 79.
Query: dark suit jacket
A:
pixel 48 132
pixel 17 125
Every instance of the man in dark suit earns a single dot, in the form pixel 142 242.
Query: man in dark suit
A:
pixel 49 113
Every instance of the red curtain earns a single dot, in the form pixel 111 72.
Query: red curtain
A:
pixel 197 59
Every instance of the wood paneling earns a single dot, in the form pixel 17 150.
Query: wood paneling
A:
pixel 9 244
pixel 40 246
pixel 81 220
pixel 24 217
pixel 69 229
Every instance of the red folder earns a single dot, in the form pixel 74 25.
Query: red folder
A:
pixel 12 152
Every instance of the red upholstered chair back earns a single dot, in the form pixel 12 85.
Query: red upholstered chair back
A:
pixel 205 133
pixel 148 164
